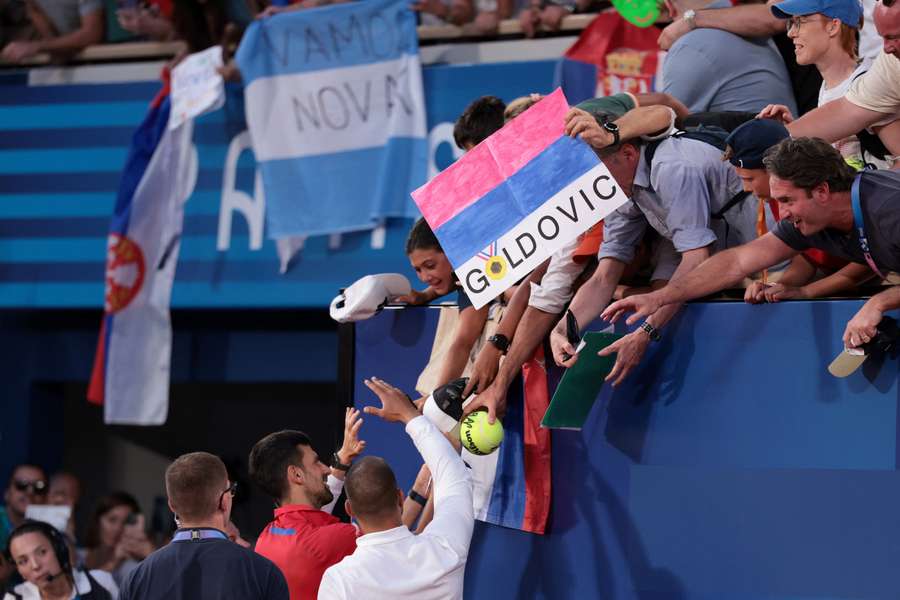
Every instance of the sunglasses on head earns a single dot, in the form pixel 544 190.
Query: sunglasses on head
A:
pixel 38 487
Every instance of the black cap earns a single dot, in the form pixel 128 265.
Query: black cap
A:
pixel 749 142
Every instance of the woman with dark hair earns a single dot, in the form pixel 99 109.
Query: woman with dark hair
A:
pixel 116 541
pixel 41 556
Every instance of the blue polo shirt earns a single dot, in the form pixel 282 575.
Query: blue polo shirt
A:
pixel 210 568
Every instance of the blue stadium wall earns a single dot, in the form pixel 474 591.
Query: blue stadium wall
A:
pixel 62 149
pixel 730 466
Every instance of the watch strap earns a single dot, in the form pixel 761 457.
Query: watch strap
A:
pixel 337 464
pixel 500 342
pixel 651 331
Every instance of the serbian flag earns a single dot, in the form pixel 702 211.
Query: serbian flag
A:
pixel 131 368
pixel 511 487
pixel 516 198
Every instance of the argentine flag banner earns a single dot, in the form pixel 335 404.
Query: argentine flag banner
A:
pixel 336 112
pixel 516 198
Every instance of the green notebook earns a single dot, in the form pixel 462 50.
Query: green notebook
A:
pixel 580 385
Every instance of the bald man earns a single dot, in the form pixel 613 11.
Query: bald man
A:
pixel 391 562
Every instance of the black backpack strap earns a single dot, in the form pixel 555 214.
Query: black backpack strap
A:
pixel 732 202
pixel 98 592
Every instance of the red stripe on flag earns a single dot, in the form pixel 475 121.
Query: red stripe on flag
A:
pixel 537 444
pixel 98 373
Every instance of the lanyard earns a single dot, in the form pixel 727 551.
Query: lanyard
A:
pixel 860 229
pixel 198 534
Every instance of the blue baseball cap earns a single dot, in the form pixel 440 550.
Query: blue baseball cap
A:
pixel 848 11
pixel 749 142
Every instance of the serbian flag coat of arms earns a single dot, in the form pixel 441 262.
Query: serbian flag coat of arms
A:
pixel 131 368
pixel 516 198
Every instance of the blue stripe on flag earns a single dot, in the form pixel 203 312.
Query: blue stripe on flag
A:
pixel 501 209
pixel 306 194
pixel 506 506
pixel 342 35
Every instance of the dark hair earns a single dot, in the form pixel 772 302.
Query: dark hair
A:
pixel 421 237
pixel 57 542
pixel 371 487
pixel 200 26
pixel 270 458
pixel 12 475
pixel 104 505
pixel 481 118
pixel 194 485
pixel 807 162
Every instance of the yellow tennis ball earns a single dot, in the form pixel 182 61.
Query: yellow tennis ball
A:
pixel 478 436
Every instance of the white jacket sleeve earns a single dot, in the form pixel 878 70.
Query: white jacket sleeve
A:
pixel 454 518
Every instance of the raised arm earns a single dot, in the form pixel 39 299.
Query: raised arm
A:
pixel 721 271
pixel 454 518
pixel 834 121
pixel 645 120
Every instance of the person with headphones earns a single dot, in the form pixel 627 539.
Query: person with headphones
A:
pixel 41 556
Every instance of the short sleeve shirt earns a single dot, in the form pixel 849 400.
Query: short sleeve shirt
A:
pixel 714 70
pixel 688 183
pixel 879 193
pixel 66 14
pixel 879 89
pixel 615 105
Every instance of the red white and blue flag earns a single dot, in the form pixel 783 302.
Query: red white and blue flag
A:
pixel 516 198
pixel 512 486
pixel 131 367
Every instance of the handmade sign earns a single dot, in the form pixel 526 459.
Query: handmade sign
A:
pixel 197 86
pixel 516 198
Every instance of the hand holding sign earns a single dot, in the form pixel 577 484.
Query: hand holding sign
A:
pixel 517 198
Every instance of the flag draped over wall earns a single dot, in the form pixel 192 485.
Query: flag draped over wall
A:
pixel 131 367
pixel 336 111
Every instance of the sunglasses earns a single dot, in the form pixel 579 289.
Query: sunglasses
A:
pixel 37 487
pixel 887 3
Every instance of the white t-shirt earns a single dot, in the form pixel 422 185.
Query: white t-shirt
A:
pixel 849 146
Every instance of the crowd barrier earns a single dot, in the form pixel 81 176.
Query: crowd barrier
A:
pixel 730 466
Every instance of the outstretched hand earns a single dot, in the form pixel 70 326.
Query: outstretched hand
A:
pixel 629 351
pixel 779 112
pixel 642 305
pixel 352 445
pixel 395 405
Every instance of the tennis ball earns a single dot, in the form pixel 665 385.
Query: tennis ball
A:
pixel 478 436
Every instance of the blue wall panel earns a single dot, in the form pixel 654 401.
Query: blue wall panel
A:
pixel 730 466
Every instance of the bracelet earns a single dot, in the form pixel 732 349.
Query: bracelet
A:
pixel 417 497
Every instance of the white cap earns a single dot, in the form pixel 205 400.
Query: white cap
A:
pixel 368 296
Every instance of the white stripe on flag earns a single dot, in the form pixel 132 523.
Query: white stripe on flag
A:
pixel 140 340
pixel 567 214
pixel 335 110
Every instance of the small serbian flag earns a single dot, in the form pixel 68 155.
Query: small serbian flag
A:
pixel 516 198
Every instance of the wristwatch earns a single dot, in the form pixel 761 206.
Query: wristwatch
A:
pixel 337 464
pixel 690 16
pixel 614 130
pixel 651 331
pixel 500 342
